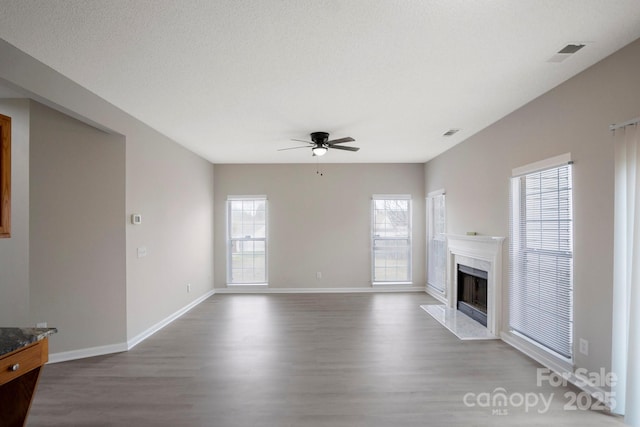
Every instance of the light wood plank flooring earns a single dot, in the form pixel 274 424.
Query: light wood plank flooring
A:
pixel 300 360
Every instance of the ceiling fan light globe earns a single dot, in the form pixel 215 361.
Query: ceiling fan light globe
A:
pixel 319 151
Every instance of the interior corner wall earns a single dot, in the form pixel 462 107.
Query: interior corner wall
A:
pixel 14 251
pixel 319 223
pixel 573 117
pixel 171 187
pixel 77 236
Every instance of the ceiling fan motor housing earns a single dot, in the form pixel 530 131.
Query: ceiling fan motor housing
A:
pixel 320 138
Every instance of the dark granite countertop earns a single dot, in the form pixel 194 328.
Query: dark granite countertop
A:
pixel 12 339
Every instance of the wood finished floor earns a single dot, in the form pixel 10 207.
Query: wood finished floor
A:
pixel 300 360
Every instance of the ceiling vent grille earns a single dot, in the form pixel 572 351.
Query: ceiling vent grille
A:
pixel 566 52
pixel 571 48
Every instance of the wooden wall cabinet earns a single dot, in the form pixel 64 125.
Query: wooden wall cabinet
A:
pixel 5 176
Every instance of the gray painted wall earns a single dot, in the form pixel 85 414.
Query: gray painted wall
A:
pixel 171 187
pixel 573 117
pixel 77 236
pixel 320 223
pixel 14 251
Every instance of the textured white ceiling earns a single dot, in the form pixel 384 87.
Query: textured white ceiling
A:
pixel 234 80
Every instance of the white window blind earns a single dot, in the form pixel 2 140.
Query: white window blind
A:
pixel 436 241
pixel 541 255
pixel 391 238
pixel 247 240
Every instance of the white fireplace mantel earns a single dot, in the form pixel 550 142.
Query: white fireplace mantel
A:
pixel 484 253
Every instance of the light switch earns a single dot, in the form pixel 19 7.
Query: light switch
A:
pixel 136 219
pixel 142 251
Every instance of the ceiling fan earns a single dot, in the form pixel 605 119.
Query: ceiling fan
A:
pixel 320 144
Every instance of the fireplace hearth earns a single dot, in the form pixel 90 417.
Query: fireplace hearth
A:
pixel 472 293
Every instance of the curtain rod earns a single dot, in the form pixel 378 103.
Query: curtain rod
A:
pixel 625 124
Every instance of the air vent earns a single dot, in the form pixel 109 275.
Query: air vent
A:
pixel 451 132
pixel 571 48
pixel 566 52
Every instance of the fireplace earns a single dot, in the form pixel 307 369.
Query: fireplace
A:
pixel 472 293
pixel 482 253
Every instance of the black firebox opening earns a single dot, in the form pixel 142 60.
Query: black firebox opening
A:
pixel 472 293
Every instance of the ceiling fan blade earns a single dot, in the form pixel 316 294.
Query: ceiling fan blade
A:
pixel 342 147
pixel 302 140
pixel 340 141
pixel 292 148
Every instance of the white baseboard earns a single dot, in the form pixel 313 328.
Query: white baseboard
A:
pixel 541 356
pixel 262 290
pixel 82 353
pixel 596 392
pixel 560 367
pixel 161 324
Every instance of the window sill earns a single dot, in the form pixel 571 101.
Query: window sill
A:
pixel 537 352
pixel 244 285
pixel 391 283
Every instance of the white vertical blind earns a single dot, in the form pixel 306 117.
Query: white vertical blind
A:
pixel 625 357
pixel 436 241
pixel 541 255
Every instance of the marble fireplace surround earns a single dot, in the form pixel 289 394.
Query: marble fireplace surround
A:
pixel 484 253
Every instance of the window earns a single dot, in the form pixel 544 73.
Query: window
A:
pixel 5 176
pixel 541 255
pixel 436 241
pixel 391 239
pixel 247 240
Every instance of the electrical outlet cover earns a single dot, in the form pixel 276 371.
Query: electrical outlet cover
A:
pixel 584 346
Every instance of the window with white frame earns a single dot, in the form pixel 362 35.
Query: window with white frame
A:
pixel 391 238
pixel 541 255
pixel 247 240
pixel 436 241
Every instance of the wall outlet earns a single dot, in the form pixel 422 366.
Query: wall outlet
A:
pixel 188 287
pixel 319 275
pixel 584 346
pixel 41 325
